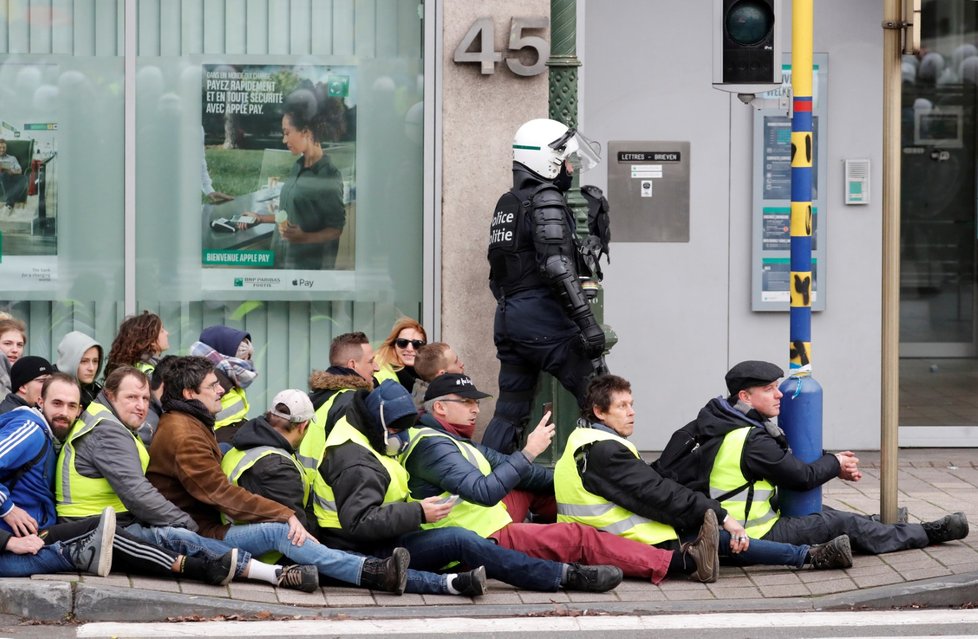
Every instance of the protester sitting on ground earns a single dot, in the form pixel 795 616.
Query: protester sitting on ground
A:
pixel 13 337
pixel 81 356
pixel 432 360
pixel 155 411
pixel 362 504
pixel 27 460
pixel 602 481
pixel 140 342
pixel 351 367
pixel 263 461
pixel 103 462
pixel 185 467
pixel 27 377
pixel 753 461
pixel 231 352
pixel 395 357
pixel 497 491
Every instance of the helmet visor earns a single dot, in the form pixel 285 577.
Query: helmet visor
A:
pixel 588 152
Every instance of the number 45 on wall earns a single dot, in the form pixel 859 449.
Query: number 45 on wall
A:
pixel 482 34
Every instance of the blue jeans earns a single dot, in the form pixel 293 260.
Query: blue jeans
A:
pixel 49 559
pixel 432 550
pixel 187 542
pixel 760 551
pixel 258 539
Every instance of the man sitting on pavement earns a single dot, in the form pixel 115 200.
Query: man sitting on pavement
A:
pixel 103 463
pixel 27 461
pixel 755 454
pixel 601 481
pixel 185 467
pixel 433 360
pixel 263 461
pixel 496 490
pixel 362 504
pixel 27 376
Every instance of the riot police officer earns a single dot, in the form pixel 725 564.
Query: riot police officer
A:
pixel 543 319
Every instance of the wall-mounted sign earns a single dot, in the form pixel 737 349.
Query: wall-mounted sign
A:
pixel 481 36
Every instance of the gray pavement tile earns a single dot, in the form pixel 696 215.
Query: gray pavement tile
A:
pixel 733 581
pixel 925 573
pixel 639 584
pixel 544 597
pixel 196 588
pixel 809 576
pixel 154 583
pixel 297 597
pixel 446 600
pixel 346 590
pixel 407 599
pixel 641 595
pixel 670 585
pixel 349 601
pixel 585 597
pixel 736 593
pixel 66 577
pixel 830 586
pixel 784 590
pixel 115 580
pixel 510 597
pixel 785 577
pixel 495 584
pixel 869 569
pixel 682 595
pixel 266 595
pixel 877 579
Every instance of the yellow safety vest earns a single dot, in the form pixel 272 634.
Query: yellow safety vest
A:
pixel 234 408
pixel 726 476
pixel 80 496
pixel 313 445
pixel 145 367
pixel 323 500
pixel 576 504
pixel 483 520
pixel 386 372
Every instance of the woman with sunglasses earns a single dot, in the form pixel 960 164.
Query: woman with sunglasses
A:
pixel 395 357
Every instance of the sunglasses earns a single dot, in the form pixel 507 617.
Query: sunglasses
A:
pixel 403 343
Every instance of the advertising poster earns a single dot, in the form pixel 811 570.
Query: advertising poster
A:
pixel 28 186
pixel 278 177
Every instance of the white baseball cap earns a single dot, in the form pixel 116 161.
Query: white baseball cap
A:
pixel 294 405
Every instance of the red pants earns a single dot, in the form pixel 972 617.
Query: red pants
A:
pixel 576 543
pixel 520 502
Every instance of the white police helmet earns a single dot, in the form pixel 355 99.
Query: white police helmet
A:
pixel 542 146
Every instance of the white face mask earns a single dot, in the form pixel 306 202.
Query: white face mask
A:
pixel 395 446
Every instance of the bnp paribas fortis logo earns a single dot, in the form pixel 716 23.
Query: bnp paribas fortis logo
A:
pixel 238 282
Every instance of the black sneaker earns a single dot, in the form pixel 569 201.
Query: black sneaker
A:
pixel 299 577
pixel 92 552
pixel 471 583
pixel 389 575
pixel 947 528
pixel 705 550
pixel 216 572
pixel 592 578
pixel 836 553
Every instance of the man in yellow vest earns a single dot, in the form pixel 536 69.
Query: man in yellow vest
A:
pixel 497 489
pixel 755 453
pixel 103 463
pixel 362 504
pixel 601 468
pixel 433 360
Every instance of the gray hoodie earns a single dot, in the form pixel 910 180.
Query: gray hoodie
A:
pixel 70 352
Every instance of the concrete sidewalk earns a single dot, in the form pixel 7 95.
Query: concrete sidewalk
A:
pixel 932 482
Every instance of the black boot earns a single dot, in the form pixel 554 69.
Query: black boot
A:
pixel 389 575
pixel 216 572
pixel 592 578
pixel 947 528
pixel 92 552
pixel 471 583
pixel 836 553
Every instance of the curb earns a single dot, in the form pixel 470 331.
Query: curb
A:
pixel 60 601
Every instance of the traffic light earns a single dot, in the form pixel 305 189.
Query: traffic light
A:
pixel 746 45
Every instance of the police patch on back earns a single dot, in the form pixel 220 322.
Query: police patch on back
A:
pixel 502 231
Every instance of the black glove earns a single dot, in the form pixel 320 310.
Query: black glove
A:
pixel 593 337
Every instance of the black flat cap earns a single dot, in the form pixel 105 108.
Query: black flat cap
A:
pixel 750 374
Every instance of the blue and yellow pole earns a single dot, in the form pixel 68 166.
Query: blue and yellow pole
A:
pixel 801 406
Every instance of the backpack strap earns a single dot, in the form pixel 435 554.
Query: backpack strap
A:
pixel 11 480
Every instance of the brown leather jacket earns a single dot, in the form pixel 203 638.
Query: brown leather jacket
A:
pixel 185 466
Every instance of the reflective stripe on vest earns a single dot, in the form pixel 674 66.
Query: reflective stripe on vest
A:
pixel 236 462
pixel 386 372
pixel 577 505
pixel 234 408
pixel 324 503
pixel 480 519
pixel 80 496
pixel 726 476
pixel 145 367
pixel 313 445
